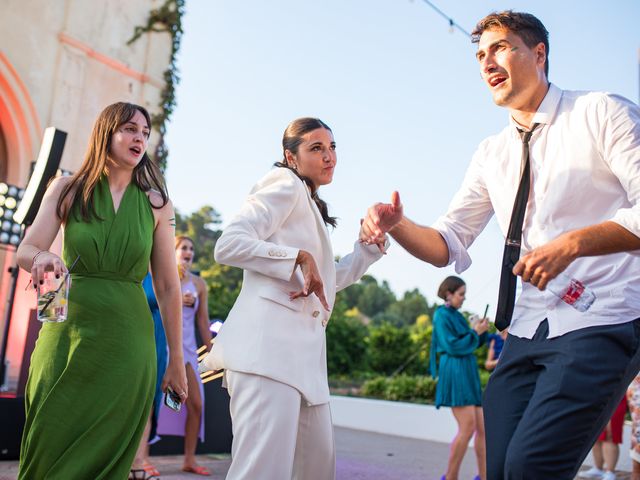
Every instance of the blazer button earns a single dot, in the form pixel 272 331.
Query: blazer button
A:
pixel 315 313
pixel 324 322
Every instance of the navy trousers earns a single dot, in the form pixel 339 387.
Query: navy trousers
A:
pixel 548 399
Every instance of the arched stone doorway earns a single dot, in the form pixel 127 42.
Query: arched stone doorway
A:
pixel 4 160
pixel 20 133
pixel 20 128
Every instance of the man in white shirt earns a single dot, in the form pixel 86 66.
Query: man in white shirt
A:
pixel 562 372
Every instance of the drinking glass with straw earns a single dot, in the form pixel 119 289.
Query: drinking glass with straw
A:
pixel 53 296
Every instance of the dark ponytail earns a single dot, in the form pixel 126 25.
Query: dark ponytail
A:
pixel 291 140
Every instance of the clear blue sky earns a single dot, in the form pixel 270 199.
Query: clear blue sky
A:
pixel 402 94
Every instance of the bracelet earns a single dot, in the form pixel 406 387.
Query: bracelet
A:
pixel 33 260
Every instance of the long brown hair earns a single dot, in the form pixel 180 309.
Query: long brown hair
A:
pixel 146 175
pixel 291 141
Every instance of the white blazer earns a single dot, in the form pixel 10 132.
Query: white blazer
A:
pixel 266 333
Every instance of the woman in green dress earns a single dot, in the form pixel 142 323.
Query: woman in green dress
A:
pixel 91 380
pixel 458 384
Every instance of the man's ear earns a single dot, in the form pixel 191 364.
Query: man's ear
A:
pixel 541 54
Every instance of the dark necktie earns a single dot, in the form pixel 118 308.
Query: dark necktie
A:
pixel 508 281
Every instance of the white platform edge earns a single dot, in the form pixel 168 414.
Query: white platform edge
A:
pixel 411 420
pixel 423 422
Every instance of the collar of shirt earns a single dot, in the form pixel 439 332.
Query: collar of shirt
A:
pixel 546 111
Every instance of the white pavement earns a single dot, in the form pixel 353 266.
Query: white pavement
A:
pixel 361 456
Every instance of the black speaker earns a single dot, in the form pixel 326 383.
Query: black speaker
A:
pixel 45 168
pixel 12 418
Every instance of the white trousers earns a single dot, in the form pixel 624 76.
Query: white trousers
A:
pixel 276 435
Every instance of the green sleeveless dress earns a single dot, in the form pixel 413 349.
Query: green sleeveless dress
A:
pixel 91 380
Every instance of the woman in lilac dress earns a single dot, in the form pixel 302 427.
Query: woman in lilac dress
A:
pixel 190 420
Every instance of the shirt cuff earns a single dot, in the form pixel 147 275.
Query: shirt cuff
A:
pixel 628 219
pixel 373 249
pixel 458 253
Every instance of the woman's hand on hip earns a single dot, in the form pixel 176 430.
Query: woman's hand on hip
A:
pixel 312 279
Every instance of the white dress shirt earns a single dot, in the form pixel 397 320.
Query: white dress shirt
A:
pixel 585 170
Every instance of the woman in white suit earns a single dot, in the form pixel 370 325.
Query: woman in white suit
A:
pixel 273 343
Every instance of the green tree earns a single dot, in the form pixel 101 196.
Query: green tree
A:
pixel 224 285
pixel 351 295
pixel 389 348
pixel 420 333
pixel 375 298
pixel 203 227
pixel 346 342
pixel 223 282
pixel 409 307
pixel 389 317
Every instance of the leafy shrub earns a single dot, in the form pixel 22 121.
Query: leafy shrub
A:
pixel 401 388
pixel 389 348
pixel 484 378
pixel 375 388
pixel 405 388
pixel 346 344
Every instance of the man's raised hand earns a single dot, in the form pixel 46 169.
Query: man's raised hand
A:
pixel 380 219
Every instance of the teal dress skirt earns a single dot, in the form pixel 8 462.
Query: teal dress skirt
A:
pixel 162 354
pixel 457 371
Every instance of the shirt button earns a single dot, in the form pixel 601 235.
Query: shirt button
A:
pixel 324 323
pixel 315 313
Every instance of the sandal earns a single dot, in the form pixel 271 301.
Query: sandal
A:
pixel 141 474
pixel 151 470
pixel 198 470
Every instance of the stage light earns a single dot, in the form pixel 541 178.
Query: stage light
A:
pixel 44 169
pixel 9 201
pixel 22 211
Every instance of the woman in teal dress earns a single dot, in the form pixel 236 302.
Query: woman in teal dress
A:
pixel 91 379
pixel 458 384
